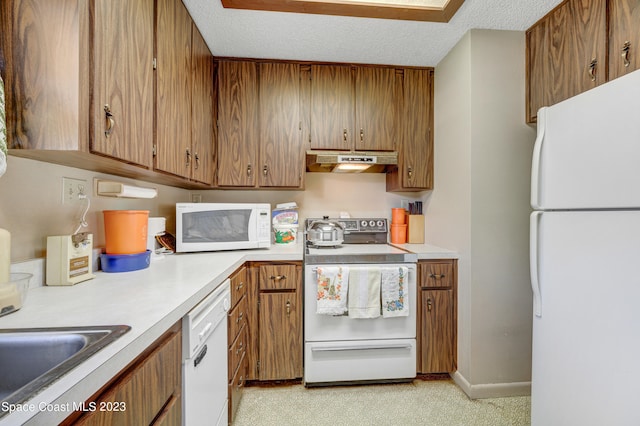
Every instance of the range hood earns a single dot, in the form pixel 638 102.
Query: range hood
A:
pixel 351 161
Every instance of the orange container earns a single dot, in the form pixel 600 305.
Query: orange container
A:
pixel 398 234
pixel 398 216
pixel 125 231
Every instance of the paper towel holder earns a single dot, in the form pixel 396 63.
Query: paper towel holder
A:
pixel 108 188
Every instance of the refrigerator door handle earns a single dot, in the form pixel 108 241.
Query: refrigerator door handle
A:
pixel 535 162
pixel 533 261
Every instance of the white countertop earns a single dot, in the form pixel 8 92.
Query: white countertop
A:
pixel 150 301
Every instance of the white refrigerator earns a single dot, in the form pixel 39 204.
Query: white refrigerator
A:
pixel 585 259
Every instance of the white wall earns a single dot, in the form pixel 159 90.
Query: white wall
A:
pixel 480 206
pixel 31 205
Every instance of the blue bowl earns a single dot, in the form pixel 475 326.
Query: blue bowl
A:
pixel 125 262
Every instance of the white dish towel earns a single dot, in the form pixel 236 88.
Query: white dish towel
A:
pixel 395 292
pixel 3 131
pixel 332 288
pixel 364 292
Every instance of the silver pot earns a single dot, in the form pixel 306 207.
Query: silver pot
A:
pixel 325 232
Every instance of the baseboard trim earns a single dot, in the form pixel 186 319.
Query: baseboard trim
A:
pixel 491 390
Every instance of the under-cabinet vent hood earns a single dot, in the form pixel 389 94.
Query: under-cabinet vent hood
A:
pixel 351 162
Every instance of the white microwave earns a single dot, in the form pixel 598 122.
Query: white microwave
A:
pixel 221 226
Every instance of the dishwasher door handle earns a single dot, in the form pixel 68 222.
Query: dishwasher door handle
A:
pixel 200 356
pixel 359 348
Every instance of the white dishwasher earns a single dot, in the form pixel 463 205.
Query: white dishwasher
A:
pixel 204 365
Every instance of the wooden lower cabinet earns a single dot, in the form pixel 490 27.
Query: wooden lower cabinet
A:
pixel 238 332
pixel 280 335
pixel 148 392
pixel 437 316
pixel 275 321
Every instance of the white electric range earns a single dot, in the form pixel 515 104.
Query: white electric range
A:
pixel 341 349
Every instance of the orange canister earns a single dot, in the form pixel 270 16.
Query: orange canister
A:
pixel 398 234
pixel 398 216
pixel 125 231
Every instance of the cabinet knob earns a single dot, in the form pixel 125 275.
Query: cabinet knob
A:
pixel 278 277
pixel 265 170
pixel 240 285
pixel 288 308
pixel 626 47
pixel 410 172
pixel 197 158
pixel 362 135
pixel 344 135
pixel 110 122
pixel 239 317
pixel 188 157
pixel 429 304
pixel 592 69
pixel 249 170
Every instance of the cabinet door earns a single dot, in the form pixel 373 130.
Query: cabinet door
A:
pixel 437 331
pixel 375 109
pixel 281 149
pixel 237 123
pixel 280 326
pixel 331 107
pixel 123 80
pixel 577 37
pixel 173 88
pixel 537 69
pixel 624 36
pixel 202 137
pixel 416 155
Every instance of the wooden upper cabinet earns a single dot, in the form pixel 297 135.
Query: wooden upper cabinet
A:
pixel 202 111
pixel 173 88
pixel 332 107
pixel 281 148
pixel 416 155
pixel 567 53
pixel 122 110
pixel 238 125
pixel 375 109
pixel 537 69
pixel 624 37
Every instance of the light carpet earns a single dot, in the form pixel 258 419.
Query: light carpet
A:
pixel 436 403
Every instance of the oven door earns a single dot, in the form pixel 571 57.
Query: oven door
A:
pixel 325 328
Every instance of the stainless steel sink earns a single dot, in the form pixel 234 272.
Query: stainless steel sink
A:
pixel 32 359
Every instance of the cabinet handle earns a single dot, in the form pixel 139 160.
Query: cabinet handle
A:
pixel 344 135
pixel 436 276
pixel 278 277
pixel 110 122
pixel 240 348
pixel 197 157
pixel 625 53
pixel 592 69
pixel 288 308
pixel 240 285
pixel 188 154
pixel 410 172
pixel 362 135
pixel 265 169
pixel 239 317
pixel 249 170
pixel 429 305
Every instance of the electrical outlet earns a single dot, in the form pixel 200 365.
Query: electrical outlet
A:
pixel 72 189
pixel 196 198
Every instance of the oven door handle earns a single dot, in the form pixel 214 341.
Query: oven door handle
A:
pixel 359 348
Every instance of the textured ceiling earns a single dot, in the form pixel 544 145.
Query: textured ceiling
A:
pixel 275 35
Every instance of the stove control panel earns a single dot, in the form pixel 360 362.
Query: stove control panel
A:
pixel 369 225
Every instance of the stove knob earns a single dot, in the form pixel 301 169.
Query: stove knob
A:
pixel 372 223
pixel 380 224
pixel 363 223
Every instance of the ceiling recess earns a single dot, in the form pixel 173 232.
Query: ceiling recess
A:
pixel 408 10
